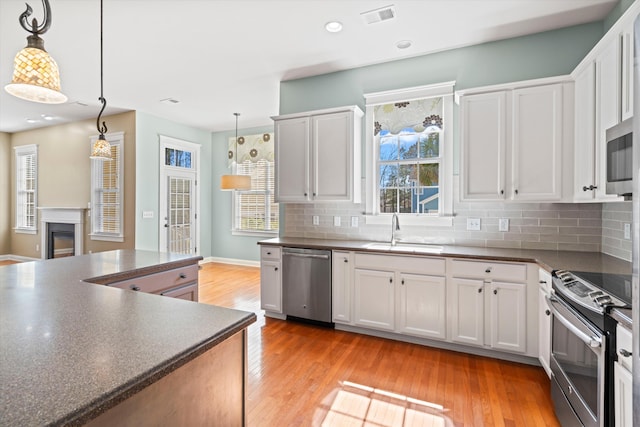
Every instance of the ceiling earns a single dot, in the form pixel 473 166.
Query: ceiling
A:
pixel 217 57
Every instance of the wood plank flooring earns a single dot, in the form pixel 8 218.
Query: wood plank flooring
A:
pixel 305 375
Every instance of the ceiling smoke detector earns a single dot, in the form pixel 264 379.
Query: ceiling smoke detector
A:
pixel 379 15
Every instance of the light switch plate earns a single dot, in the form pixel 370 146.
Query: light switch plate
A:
pixel 336 221
pixel 316 220
pixel 503 224
pixel 354 221
pixel 473 224
pixel 147 214
pixel 627 231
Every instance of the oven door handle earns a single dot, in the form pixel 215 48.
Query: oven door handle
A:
pixel 591 341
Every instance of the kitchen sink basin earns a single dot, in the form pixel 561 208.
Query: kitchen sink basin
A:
pixel 406 247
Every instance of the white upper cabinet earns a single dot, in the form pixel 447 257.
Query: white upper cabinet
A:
pixel 512 141
pixel 586 182
pixel 318 156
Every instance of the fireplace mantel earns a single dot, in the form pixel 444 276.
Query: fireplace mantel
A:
pixel 64 215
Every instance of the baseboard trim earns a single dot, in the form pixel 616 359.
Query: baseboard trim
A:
pixel 10 257
pixel 234 261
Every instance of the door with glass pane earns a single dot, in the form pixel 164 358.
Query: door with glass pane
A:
pixel 178 197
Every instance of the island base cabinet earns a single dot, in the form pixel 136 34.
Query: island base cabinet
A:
pixel 422 306
pixel 374 299
pixel 208 390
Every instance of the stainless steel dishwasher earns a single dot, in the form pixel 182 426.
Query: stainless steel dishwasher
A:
pixel 306 283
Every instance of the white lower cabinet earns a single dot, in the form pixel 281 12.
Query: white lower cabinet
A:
pixel 341 271
pixel 422 306
pixel 374 298
pixel 544 321
pixel 270 280
pixel 623 379
pixel 489 311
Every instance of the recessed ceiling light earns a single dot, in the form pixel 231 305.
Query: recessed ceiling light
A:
pixel 403 44
pixel 333 26
pixel 31 120
pixel 47 117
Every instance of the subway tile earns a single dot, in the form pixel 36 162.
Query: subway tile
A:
pixel 559 222
pixel 539 229
pixel 560 238
pixel 540 214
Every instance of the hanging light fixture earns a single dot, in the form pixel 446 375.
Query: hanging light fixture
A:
pixel 101 149
pixel 235 181
pixel 35 73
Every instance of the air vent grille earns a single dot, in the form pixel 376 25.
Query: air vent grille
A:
pixel 379 15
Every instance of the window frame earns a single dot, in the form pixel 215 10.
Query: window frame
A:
pixel 20 187
pixel 445 216
pixel 116 140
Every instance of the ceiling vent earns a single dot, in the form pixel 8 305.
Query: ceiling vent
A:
pixel 379 15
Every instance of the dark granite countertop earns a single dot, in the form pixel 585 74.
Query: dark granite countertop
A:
pixel 549 260
pixel 69 349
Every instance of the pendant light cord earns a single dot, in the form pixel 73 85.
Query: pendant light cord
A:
pixel 102 129
pixel 236 143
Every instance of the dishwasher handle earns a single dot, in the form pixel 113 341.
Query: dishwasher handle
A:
pixel 295 254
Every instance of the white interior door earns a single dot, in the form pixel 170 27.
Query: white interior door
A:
pixel 179 223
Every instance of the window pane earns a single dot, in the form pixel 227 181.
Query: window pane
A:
pixel 408 146
pixel 388 200
pixel 407 202
pixel 388 175
pixel 430 145
pixel 407 175
pixel 429 174
pixel 389 147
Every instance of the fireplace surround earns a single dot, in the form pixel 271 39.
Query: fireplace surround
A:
pixel 53 222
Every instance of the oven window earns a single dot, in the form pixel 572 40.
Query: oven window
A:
pixel 579 363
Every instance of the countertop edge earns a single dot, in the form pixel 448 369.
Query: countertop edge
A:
pixel 108 401
pixel 143 271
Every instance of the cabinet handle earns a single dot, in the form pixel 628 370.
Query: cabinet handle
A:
pixel 547 312
pixel 516 191
pixel 268 253
pixel 591 187
pixel 488 270
pixel 275 269
pixel 134 287
pixel 625 353
pixel 390 279
pixel 542 282
pixel 314 194
pixel 346 260
pixel 501 191
pixel 479 290
pixel 183 276
pixel 403 281
pixel 495 292
pixel 306 194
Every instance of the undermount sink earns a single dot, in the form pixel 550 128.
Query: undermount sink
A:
pixel 405 247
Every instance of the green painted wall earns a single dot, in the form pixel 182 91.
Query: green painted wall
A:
pixel 225 244
pixel 148 129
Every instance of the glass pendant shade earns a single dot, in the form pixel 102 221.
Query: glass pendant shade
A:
pixel 235 182
pixel 36 77
pixel 101 149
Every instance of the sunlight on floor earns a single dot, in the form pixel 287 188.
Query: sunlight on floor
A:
pixel 358 405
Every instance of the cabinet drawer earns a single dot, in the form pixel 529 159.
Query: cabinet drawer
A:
pixel 623 344
pixel 512 272
pixel 270 252
pixel 188 292
pixel 158 282
pixel 403 264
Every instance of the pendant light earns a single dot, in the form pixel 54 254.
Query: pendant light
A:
pixel 235 181
pixel 101 149
pixel 35 73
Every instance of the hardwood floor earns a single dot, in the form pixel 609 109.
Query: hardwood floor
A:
pixel 305 375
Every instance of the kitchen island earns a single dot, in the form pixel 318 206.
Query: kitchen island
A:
pixel 73 352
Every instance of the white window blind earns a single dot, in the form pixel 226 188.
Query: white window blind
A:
pixel 107 193
pixel 26 188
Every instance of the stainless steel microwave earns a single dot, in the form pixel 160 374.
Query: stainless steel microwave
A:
pixel 620 158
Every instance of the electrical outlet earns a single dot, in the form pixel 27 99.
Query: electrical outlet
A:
pixel 627 231
pixel 354 221
pixel 473 224
pixel 503 224
pixel 316 220
pixel 336 221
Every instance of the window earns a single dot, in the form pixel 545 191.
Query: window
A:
pixel 106 192
pixel 26 188
pixel 409 153
pixel 255 211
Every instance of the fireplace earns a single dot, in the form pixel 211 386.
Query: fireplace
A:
pixel 62 232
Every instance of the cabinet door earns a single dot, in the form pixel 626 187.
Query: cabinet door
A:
pixel 585 135
pixel 292 164
pixel 536 161
pixel 332 161
pixel 508 307
pixel 189 292
pixel 622 391
pixel 466 306
pixel 626 85
pixel 483 126
pixel 544 322
pixel 270 286
pixel 341 286
pixel 374 303
pixel 422 306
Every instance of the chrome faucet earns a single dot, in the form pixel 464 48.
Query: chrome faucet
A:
pixel 395 226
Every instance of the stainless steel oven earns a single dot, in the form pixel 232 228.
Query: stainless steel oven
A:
pixel 581 363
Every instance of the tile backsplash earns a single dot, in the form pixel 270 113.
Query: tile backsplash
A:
pixel 592 227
